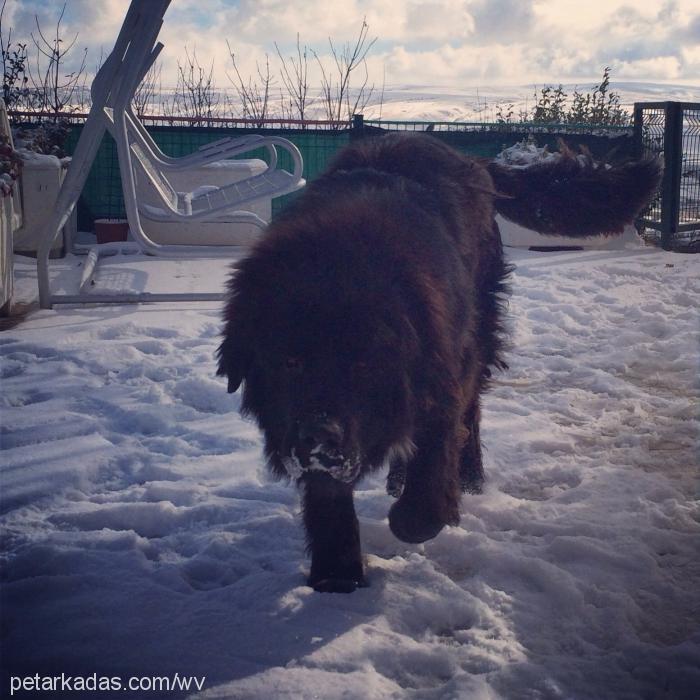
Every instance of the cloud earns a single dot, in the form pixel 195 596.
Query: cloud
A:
pixel 93 22
pixel 434 42
pixel 502 20
pixel 659 68
pixel 692 31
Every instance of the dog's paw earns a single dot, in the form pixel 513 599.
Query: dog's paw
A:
pixel 415 522
pixel 472 484
pixel 394 483
pixel 337 575
pixel 338 585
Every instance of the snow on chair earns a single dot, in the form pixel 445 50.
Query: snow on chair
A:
pixel 140 163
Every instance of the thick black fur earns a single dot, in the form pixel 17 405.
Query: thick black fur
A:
pixel 365 325
pixel 574 195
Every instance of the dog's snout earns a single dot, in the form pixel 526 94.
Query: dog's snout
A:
pixel 321 432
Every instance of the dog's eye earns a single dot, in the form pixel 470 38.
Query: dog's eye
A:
pixel 293 364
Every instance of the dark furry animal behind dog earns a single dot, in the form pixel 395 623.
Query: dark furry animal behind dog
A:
pixel 366 322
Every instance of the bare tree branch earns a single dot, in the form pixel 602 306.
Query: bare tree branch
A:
pixel 254 96
pixel 195 93
pixel 53 90
pixel 146 92
pixel 336 86
pixel 296 81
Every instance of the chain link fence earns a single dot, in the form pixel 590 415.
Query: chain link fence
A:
pixel 671 130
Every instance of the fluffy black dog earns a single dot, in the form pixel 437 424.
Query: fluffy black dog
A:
pixel 366 322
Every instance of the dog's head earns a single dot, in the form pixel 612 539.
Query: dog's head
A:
pixel 326 361
pixel 329 388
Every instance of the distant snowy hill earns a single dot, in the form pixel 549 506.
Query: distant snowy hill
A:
pixel 423 103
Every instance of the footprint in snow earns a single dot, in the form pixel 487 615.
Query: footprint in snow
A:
pixel 539 485
pixel 205 395
pixel 153 347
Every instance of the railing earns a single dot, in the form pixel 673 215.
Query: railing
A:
pixel 318 141
pixel 498 127
pixel 200 121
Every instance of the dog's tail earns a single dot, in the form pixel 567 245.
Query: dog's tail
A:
pixel 572 195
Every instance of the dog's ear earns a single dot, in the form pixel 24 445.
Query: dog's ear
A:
pixel 233 358
pixel 235 352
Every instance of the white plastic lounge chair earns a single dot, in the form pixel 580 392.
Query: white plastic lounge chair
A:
pixel 139 164
pixel 110 87
pixel 194 205
pixel 205 202
pixel 160 201
pixel 140 161
pixel 155 165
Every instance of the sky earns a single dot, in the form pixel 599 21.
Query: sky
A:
pixel 446 43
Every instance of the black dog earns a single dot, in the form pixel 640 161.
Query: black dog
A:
pixel 367 320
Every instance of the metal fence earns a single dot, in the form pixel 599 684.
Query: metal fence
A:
pixel 672 130
pixel 489 139
pixel 318 143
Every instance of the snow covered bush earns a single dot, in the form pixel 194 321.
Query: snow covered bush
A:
pixel 48 138
pixel 10 165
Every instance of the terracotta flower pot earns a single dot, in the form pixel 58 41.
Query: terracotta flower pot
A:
pixel 111 230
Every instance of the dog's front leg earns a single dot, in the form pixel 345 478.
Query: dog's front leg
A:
pixel 431 494
pixel 333 534
pixel 471 470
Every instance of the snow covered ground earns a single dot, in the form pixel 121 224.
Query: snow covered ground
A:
pixel 141 537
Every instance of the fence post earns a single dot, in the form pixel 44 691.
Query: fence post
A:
pixel 638 149
pixel 358 126
pixel 671 185
pixel 638 130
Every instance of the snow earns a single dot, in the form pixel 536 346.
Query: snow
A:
pixel 525 154
pixel 40 160
pixel 141 536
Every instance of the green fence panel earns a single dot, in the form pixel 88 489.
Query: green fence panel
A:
pixel 102 196
pixel 488 140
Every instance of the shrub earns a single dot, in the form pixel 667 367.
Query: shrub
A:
pixel 598 108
